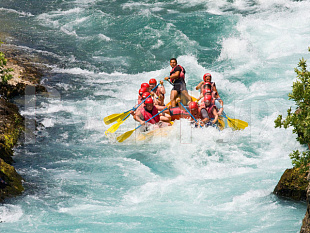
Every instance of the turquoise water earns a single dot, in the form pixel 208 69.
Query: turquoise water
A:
pixel 191 180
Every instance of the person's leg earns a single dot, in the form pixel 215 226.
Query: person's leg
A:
pixel 187 96
pixel 173 97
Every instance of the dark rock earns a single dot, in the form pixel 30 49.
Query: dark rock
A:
pixel 10 181
pixel 305 227
pixel 293 184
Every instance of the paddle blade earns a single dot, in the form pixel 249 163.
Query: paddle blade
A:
pixel 113 128
pixel 193 99
pixel 221 123
pixel 114 117
pixel 237 124
pixel 240 124
pixel 124 136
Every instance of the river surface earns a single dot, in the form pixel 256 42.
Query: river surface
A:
pixel 189 180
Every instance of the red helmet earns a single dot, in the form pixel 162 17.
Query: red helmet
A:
pixel 149 101
pixel 142 90
pixel 207 98
pixel 153 81
pixel 146 85
pixel 193 105
pixel 205 75
pixel 206 91
pixel 145 95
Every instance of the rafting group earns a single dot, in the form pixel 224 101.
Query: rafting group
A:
pixel 152 111
pixel 181 104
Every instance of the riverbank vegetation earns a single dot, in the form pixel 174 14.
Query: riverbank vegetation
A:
pixel 299 118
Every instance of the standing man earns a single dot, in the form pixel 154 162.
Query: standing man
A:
pixel 177 77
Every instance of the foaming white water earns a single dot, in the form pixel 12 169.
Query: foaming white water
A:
pixel 20 13
pixel 10 213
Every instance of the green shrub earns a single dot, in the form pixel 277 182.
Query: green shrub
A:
pixel 300 118
pixel 4 72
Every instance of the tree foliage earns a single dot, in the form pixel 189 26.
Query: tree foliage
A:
pixel 300 118
pixel 4 72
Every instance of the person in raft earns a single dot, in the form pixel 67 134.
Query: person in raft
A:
pixel 177 78
pixel 208 110
pixel 147 112
pixel 208 84
pixel 159 97
pixel 216 102
pixel 158 93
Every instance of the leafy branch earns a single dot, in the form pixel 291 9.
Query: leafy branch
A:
pixel 300 118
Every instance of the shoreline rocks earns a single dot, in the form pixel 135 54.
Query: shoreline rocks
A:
pixel 292 184
pixel 26 73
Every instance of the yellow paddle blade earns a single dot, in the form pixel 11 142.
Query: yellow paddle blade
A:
pixel 124 136
pixel 193 99
pixel 114 117
pixel 240 124
pixel 113 128
pixel 221 123
pixel 237 124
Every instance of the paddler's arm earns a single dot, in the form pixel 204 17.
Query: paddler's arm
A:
pixel 138 117
pixel 176 75
pixel 162 88
pixel 215 116
pixel 204 116
pixel 199 85
pixel 200 97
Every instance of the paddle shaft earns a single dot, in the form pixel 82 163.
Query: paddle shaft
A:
pixel 145 98
pixel 188 112
pixel 134 108
pixel 151 118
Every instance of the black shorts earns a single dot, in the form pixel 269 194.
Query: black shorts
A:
pixel 179 86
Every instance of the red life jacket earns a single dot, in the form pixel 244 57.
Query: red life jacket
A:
pixel 182 73
pixel 146 115
pixel 209 109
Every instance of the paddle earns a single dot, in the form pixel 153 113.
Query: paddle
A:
pixel 235 123
pixel 114 127
pixel 122 116
pixel 189 113
pixel 126 135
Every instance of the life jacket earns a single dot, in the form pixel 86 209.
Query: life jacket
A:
pixel 146 115
pixel 182 73
pixel 209 109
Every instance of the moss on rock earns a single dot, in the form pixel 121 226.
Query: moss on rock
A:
pixel 11 181
pixel 293 184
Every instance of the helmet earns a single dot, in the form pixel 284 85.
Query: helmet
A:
pixel 205 75
pixel 142 90
pixel 146 85
pixel 153 81
pixel 145 95
pixel 193 105
pixel 207 98
pixel 149 101
pixel 206 91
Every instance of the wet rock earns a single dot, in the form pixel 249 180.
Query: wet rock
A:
pixel 10 181
pixel 305 227
pixel 292 184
